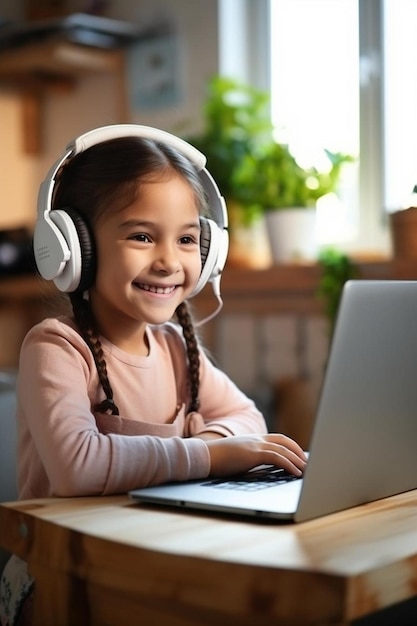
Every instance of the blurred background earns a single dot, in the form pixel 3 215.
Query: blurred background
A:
pixel 330 81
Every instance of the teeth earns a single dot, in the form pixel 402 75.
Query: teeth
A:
pixel 159 290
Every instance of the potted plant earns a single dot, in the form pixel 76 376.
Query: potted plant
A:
pixel 403 225
pixel 272 182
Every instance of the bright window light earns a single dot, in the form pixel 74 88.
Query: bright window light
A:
pixel 315 96
pixel 400 20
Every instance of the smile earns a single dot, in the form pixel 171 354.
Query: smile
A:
pixel 154 289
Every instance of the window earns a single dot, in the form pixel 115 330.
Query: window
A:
pixel 343 76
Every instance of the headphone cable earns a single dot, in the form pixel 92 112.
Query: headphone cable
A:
pixel 216 290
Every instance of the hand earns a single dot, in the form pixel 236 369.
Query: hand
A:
pixel 240 453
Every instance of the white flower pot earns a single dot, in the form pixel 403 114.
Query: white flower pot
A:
pixel 292 234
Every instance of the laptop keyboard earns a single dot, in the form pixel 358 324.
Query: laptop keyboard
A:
pixel 254 480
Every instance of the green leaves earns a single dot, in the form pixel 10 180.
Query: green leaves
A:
pixel 337 268
pixel 236 120
pixel 249 167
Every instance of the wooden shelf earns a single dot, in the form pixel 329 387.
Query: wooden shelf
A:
pixel 53 61
pixel 53 65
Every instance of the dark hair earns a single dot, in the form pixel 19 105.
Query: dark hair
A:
pixel 108 176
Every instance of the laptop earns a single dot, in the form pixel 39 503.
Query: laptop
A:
pixel 364 442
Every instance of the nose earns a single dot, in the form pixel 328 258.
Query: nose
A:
pixel 166 259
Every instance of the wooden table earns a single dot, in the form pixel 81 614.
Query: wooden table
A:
pixel 109 561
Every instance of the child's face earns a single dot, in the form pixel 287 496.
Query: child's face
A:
pixel 148 258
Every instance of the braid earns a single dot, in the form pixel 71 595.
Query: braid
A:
pixel 193 354
pixel 85 322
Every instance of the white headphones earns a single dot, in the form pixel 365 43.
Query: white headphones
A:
pixel 63 246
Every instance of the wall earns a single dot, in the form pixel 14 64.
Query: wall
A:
pixel 16 169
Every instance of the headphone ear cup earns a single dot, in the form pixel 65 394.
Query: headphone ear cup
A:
pixel 213 254
pixel 87 249
pixel 79 271
pixel 50 248
pixel 205 241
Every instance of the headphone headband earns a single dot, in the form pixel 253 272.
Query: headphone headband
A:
pixel 117 131
pixel 105 133
pixel 57 251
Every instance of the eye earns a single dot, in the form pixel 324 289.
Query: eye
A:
pixel 141 237
pixel 188 239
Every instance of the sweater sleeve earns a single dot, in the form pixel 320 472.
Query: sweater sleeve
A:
pixel 61 451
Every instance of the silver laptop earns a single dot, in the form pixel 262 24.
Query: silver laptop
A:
pixel 364 444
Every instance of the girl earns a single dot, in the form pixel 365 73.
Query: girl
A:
pixel 117 396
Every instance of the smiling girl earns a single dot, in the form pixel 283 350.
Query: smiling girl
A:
pixel 118 395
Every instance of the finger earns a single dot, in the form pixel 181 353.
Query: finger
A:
pixel 289 443
pixel 287 453
pixel 271 457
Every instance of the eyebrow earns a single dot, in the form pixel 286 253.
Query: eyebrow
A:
pixel 148 224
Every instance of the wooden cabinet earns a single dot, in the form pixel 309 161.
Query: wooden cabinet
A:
pixel 282 291
pixel 289 289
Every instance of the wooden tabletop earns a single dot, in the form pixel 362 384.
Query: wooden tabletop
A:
pixel 104 560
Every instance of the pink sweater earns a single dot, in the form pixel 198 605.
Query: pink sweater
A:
pixel 67 449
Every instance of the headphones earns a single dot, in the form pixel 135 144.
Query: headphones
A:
pixel 63 242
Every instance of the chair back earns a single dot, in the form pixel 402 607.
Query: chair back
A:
pixel 8 437
pixel 8 444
